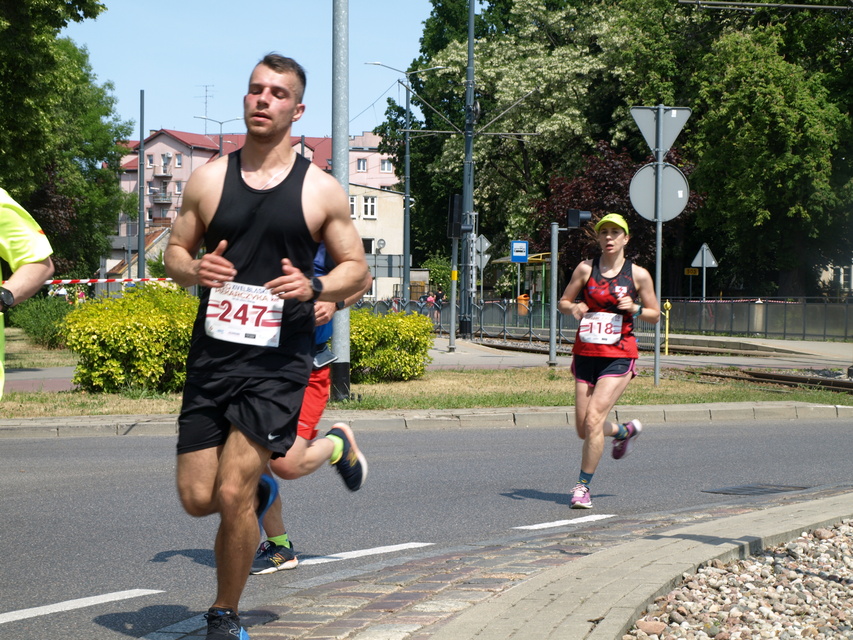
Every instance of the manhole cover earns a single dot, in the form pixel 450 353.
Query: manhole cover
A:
pixel 754 489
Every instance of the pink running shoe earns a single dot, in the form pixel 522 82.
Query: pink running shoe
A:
pixel 622 448
pixel 580 497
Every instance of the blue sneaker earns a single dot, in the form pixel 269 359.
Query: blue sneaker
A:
pixel 271 557
pixel 224 624
pixel 352 465
pixel 267 492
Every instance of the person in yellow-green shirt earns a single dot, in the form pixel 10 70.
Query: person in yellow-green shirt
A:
pixel 27 250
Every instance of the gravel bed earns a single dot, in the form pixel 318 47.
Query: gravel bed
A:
pixel 803 589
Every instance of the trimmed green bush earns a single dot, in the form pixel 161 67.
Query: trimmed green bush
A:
pixel 138 341
pixel 389 348
pixel 41 319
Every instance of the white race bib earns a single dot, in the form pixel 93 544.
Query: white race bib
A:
pixel 245 314
pixel 601 328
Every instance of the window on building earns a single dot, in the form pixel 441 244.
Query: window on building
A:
pixel 352 213
pixel 368 245
pixel 385 166
pixel 369 207
pixel 179 187
pixel 151 187
pixel 179 160
pixel 150 159
pixel 361 165
pixel 149 214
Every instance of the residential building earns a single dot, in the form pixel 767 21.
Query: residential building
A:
pixel 171 156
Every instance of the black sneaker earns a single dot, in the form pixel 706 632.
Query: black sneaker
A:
pixel 267 492
pixel 224 624
pixel 272 557
pixel 352 466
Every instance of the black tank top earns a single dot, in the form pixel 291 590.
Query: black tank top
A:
pixel 262 228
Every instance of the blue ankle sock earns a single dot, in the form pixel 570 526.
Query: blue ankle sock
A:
pixel 584 478
pixel 623 432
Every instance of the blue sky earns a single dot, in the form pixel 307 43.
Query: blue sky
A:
pixel 178 52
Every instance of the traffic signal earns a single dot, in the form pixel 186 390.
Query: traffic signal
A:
pixel 454 217
pixel 577 218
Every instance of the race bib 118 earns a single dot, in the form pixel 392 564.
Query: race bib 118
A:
pixel 245 314
pixel 601 328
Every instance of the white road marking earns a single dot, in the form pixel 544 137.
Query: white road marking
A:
pixel 347 555
pixel 68 605
pixel 563 523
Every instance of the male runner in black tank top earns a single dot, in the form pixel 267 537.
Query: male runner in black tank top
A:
pixel 259 215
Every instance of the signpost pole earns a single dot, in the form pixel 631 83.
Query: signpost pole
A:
pixel 552 330
pixel 659 151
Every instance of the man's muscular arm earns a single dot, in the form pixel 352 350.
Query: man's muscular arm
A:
pixel 211 270
pixel 326 209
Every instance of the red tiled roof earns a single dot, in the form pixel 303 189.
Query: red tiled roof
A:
pixel 321 147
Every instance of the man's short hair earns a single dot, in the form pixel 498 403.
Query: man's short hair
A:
pixel 283 64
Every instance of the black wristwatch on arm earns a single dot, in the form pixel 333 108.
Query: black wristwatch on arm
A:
pixel 317 286
pixel 7 300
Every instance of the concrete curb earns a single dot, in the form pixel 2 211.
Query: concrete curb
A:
pixel 599 597
pixel 527 417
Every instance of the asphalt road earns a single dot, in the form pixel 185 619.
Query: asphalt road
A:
pixel 90 517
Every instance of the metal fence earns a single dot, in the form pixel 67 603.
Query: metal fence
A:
pixel 794 319
pixel 504 320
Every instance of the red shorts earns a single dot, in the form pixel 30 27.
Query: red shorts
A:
pixel 314 402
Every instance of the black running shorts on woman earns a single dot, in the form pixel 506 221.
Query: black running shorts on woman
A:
pixel 258 389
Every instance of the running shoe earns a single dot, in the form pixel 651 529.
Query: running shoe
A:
pixel 272 557
pixel 352 465
pixel 267 492
pixel 224 624
pixel 622 448
pixel 580 497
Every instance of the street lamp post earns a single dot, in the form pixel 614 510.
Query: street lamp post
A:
pixel 407 218
pixel 220 123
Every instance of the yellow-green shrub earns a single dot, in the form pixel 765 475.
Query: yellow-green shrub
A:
pixel 138 340
pixel 390 347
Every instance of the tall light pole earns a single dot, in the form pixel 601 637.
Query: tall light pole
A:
pixel 220 123
pixel 407 218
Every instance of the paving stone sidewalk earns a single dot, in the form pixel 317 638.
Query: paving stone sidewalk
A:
pixel 416 599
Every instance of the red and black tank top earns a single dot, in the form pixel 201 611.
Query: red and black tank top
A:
pixel 262 227
pixel 602 294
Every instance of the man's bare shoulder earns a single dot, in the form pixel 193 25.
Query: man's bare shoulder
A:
pixel 318 179
pixel 209 173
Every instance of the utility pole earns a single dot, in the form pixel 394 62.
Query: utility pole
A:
pixel 466 307
pixel 140 250
pixel 407 200
pixel 340 369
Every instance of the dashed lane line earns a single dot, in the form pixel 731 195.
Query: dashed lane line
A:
pixel 348 555
pixel 563 523
pixel 69 605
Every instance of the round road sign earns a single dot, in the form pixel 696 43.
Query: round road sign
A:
pixel 674 192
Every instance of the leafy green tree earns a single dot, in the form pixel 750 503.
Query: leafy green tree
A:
pixel 439 272
pixel 29 63
pixel 765 140
pixel 64 165
pixel 767 137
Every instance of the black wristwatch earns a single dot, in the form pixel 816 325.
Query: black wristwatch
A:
pixel 7 300
pixel 317 286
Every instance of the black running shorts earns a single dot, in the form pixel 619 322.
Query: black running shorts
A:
pixel 590 369
pixel 265 409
